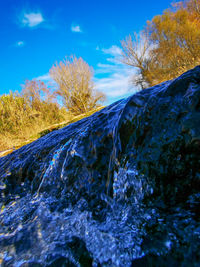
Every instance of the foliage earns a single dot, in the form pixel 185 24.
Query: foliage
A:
pixel 21 117
pixel 34 112
pixel 168 46
pixel 75 85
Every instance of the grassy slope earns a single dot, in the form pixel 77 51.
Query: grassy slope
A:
pixel 45 131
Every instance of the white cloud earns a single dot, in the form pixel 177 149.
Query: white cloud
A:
pixel 32 19
pixel 44 77
pixel 76 28
pixel 117 83
pixel 114 50
pixel 20 43
pixel 105 68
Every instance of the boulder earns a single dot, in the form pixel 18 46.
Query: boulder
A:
pixel 119 188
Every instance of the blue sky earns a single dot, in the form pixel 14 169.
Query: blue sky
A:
pixel 35 34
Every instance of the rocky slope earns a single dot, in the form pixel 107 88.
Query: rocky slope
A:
pixel 119 188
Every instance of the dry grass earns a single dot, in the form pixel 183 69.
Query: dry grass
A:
pixel 21 118
pixel 10 142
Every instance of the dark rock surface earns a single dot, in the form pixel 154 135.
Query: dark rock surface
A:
pixel 119 188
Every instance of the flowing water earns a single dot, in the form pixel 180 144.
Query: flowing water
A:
pixel 119 188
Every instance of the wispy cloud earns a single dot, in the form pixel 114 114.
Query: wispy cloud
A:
pixel 44 77
pixel 114 54
pixel 116 85
pixel 114 50
pixel 116 80
pixel 76 28
pixel 20 44
pixel 31 19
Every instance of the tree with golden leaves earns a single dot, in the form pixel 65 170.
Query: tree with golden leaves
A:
pixel 74 79
pixel 169 46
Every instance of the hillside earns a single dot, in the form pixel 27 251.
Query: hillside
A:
pixel 6 149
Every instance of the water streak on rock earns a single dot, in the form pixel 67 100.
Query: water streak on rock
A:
pixel 119 188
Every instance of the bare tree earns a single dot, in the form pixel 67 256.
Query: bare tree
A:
pixel 136 53
pixel 36 91
pixel 75 85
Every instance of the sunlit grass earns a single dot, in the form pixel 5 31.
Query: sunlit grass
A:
pixel 10 142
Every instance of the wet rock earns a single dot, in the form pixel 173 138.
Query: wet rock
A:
pixel 119 188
